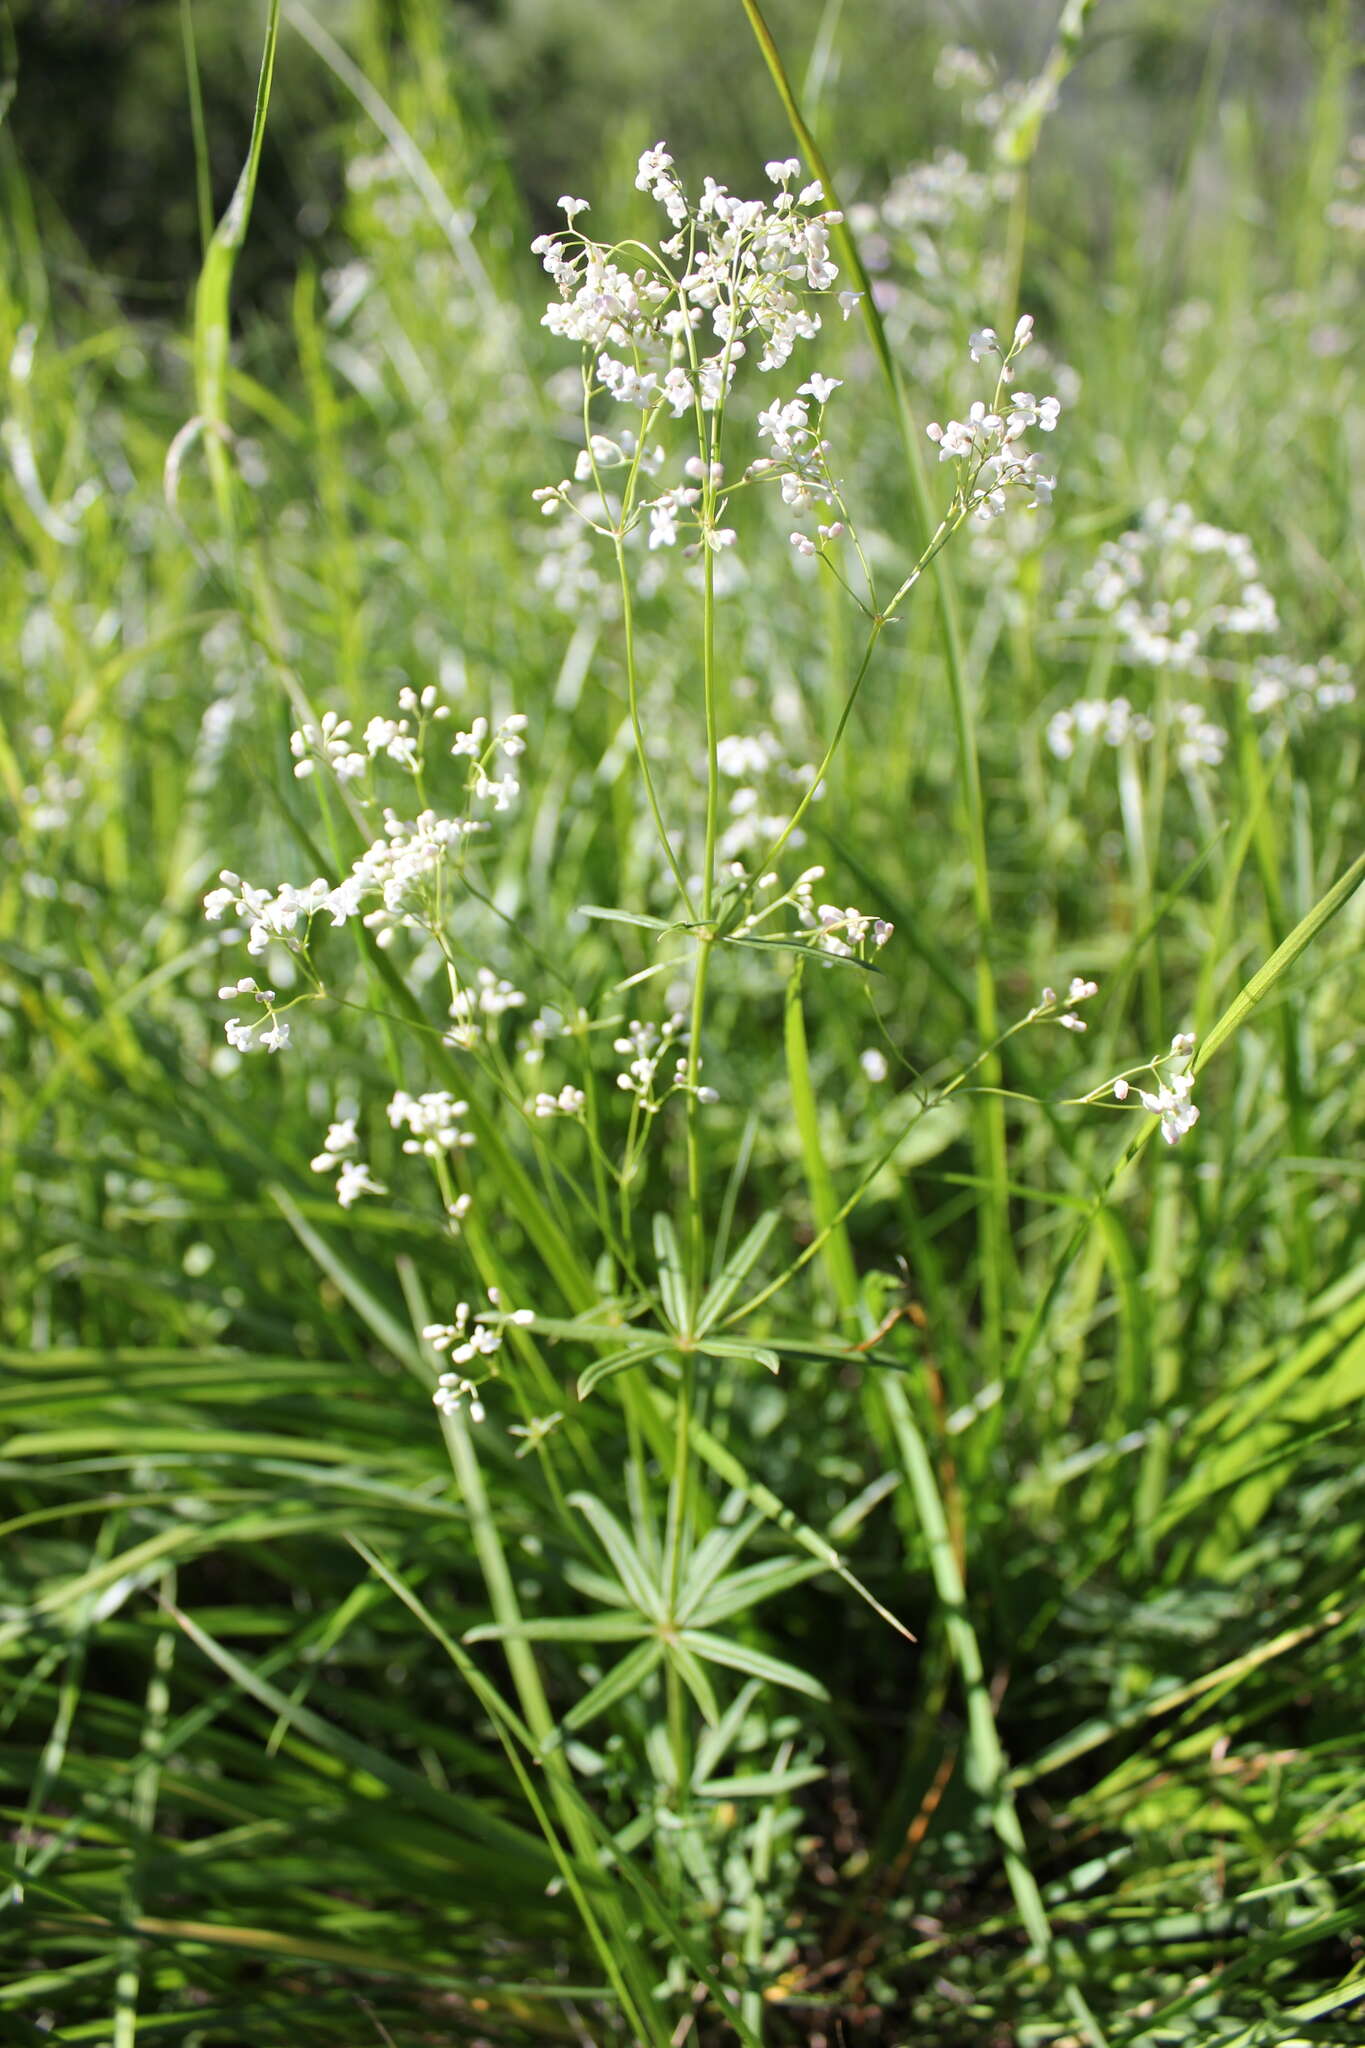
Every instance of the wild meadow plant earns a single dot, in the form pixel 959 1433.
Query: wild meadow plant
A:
pixel 670 349
pixel 706 914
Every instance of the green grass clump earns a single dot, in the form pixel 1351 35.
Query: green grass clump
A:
pixel 893 1573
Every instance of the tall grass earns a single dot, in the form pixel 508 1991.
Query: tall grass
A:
pixel 904 1584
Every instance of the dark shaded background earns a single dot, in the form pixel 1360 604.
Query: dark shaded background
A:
pixel 101 117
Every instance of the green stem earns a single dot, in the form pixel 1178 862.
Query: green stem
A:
pixel 677 1542
pixel 989 1769
pixel 988 1110
pixel 633 695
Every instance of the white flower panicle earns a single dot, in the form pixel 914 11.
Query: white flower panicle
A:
pixel 569 1102
pixel 1171 1102
pixel 667 335
pixel 329 744
pixel 1170 1095
pixel 1298 690
pixel 432 1121
pixel 488 996
pixel 354 1178
pixel 395 882
pixel 758 804
pixel 844 932
pixel 470 1339
pixel 1173 587
pixel 1061 1010
pixel 1197 741
pixel 644 1045
pixel 988 446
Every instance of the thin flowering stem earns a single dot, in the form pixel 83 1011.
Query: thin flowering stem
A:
pixel 641 755
pixel 774 851
pixel 995 1256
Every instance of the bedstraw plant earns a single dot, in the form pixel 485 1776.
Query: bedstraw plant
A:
pixel 634 1442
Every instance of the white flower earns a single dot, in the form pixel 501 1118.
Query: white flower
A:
pixel 341 1138
pixel 355 1180
pixel 654 164
pixel 819 388
pixel 873 1063
pixel 568 1102
pixel 1171 1102
pixel 954 441
pixel 433 1120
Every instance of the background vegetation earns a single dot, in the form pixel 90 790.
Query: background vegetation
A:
pixel 257 1787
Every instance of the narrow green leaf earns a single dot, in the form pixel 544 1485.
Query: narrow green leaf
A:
pixel 761 1784
pixel 735 1271
pixel 1280 961
pixel 753 1663
pixel 649 924
pixel 693 1676
pixel 747 1588
pixel 624 1677
pixel 625 1558
pixel 615 1362
pixel 598 1628
pixel 736 1347
pixel 672 1279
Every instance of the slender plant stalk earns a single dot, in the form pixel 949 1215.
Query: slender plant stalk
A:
pixel 995 1257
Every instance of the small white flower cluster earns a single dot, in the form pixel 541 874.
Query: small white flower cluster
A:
pixel 432 1121
pixel 1048 1004
pixel 267 916
pixel 743 262
pixel 482 745
pixel 468 1338
pixel 1299 689
pixel 800 460
pixel 243 1037
pixel 1198 742
pixel 330 744
pixel 857 927
pixel 489 996
pixel 745 268
pixel 1171 585
pixel 942 193
pixel 353 1175
pixel 395 872
pixel 570 1101
pixel 755 762
pixel 395 875
pixel 645 1046
pixel 846 933
pixel 988 444
pixel 1111 719
pixel 1170 1098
